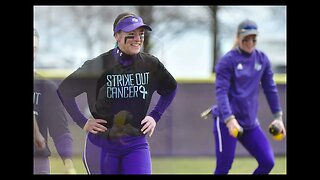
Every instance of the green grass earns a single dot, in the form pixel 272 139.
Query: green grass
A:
pixel 185 165
pixel 206 165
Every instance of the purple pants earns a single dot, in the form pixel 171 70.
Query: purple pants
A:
pixel 41 165
pixel 254 140
pixel 125 155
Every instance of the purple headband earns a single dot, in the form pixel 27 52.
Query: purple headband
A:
pixel 131 23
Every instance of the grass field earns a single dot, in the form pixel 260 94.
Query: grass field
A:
pixel 185 165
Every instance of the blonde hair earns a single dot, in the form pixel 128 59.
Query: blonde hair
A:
pixel 236 42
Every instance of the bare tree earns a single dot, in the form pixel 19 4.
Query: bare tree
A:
pixel 146 13
pixel 92 23
pixel 171 22
pixel 215 30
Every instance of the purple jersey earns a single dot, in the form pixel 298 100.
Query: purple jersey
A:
pixel 238 78
pixel 51 117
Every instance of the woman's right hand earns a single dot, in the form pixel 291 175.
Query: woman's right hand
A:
pixel 39 141
pixel 94 125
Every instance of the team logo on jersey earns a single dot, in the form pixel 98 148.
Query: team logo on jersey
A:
pixel 118 52
pixel 134 19
pixel 257 66
pixel 239 66
pixel 131 85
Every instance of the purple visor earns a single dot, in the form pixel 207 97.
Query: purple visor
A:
pixel 131 23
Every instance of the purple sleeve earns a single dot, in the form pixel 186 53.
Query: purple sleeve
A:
pixel 64 145
pixel 73 109
pixel 222 85
pixel 162 104
pixel 270 89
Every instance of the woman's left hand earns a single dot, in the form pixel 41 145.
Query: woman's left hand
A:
pixel 149 125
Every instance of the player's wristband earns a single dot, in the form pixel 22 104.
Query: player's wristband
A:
pixel 278 116
pixel 155 115
pixel 229 119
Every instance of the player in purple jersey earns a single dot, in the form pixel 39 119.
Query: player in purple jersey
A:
pixel 119 85
pixel 49 116
pixel 239 74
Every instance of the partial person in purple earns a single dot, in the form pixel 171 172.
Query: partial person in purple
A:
pixel 119 85
pixel 49 119
pixel 239 74
pixel 38 139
